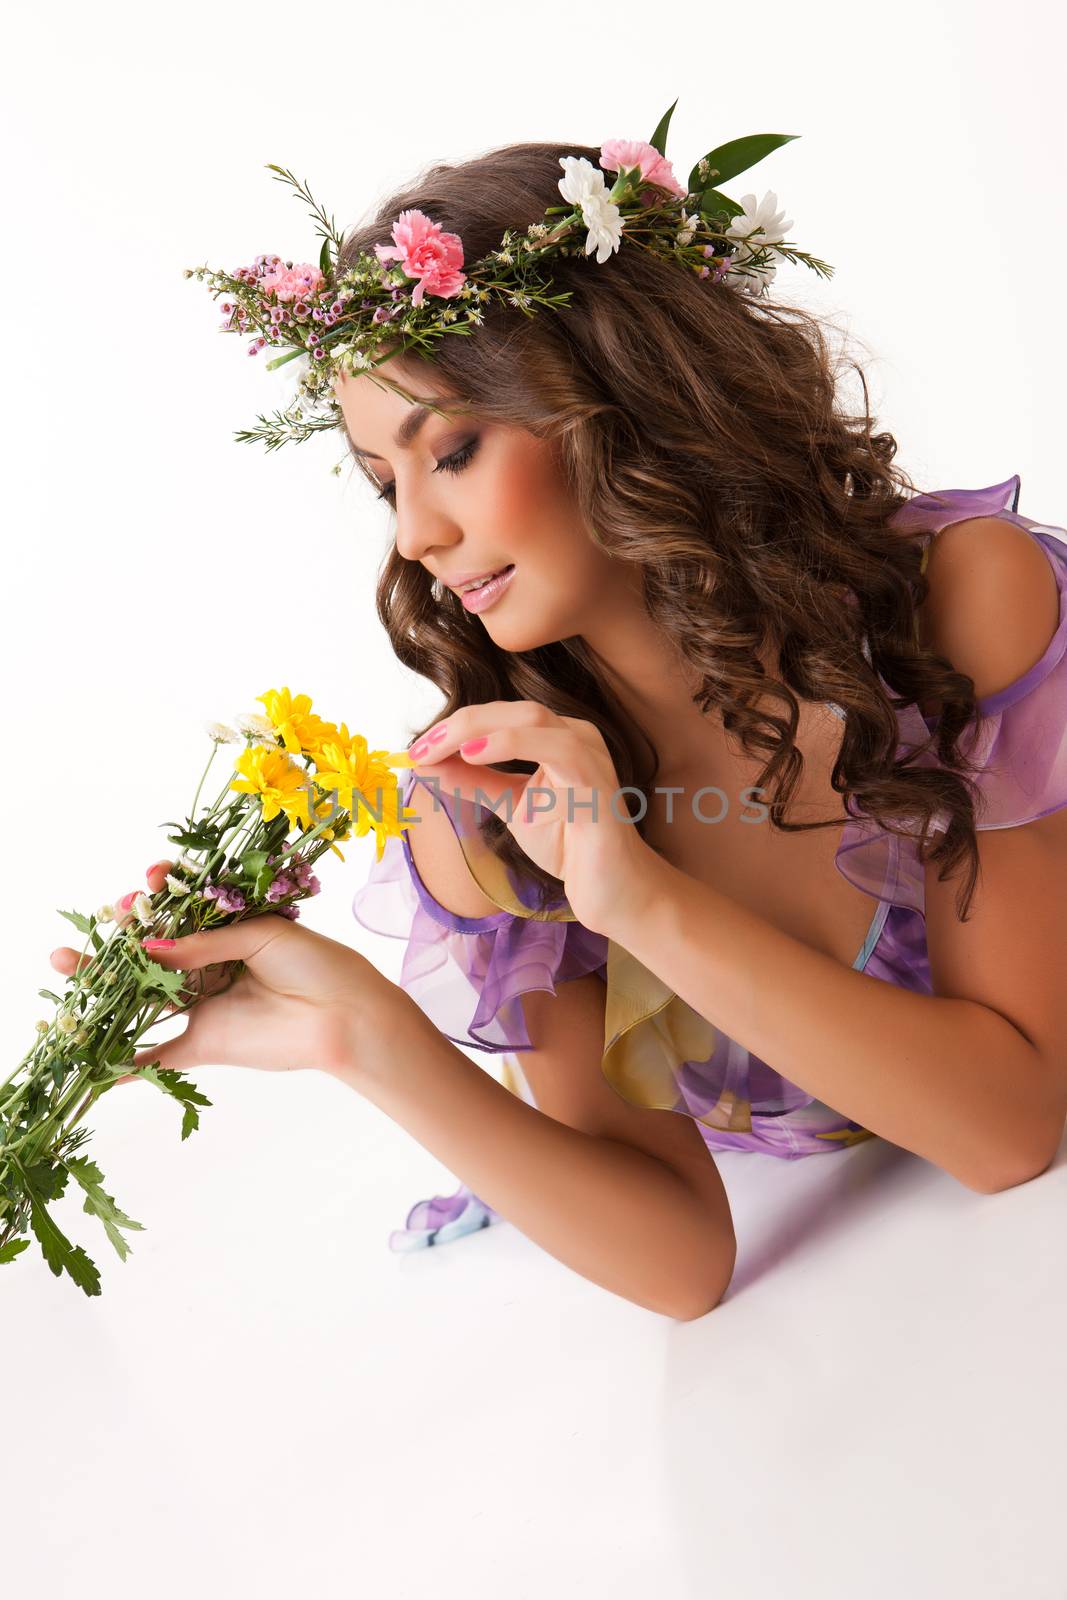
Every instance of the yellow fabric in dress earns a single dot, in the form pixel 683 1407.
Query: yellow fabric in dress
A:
pixel 649 1031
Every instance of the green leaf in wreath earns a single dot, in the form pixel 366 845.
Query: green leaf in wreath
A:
pixel 658 140
pixel 9 1251
pixel 83 924
pixel 737 155
pixel 713 201
pixel 102 1205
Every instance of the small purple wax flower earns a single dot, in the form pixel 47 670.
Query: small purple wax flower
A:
pixel 226 898
pixel 287 911
pixel 282 885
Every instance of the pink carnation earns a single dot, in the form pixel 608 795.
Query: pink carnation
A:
pixel 293 283
pixel 426 253
pixel 618 153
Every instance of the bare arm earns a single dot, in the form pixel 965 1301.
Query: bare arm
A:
pixel 629 1198
pixel 610 1210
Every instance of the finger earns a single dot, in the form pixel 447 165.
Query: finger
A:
pixel 473 782
pixel 471 722
pixel 157 875
pixel 178 1054
pixel 67 960
pixel 239 941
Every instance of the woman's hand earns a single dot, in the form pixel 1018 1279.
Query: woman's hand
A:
pixel 603 863
pixel 296 1004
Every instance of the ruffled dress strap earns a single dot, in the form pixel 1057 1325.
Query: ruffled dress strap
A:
pixel 1018 738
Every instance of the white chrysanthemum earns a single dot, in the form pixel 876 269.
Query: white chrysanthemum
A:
pixel 66 1023
pixel 222 733
pixel 583 185
pixel 105 913
pixel 177 885
pixel 141 907
pixel 762 223
pixel 253 724
pixel 744 274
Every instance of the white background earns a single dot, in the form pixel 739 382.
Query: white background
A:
pixel 265 1399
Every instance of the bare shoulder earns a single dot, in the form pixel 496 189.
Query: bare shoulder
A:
pixel 439 858
pixel 565 1074
pixel 993 601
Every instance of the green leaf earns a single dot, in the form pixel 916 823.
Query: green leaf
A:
pixel 727 160
pixel 46 994
pixel 713 201
pixel 47 1179
pixel 153 976
pixel 102 1205
pixel 9 1251
pixel 325 264
pixel 58 1251
pixel 172 1083
pixel 658 140
pixel 83 924
pixel 253 862
pixel 205 837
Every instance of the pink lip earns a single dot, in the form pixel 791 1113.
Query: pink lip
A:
pixel 482 599
pixel 460 578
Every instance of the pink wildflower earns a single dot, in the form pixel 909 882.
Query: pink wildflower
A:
pixel 298 282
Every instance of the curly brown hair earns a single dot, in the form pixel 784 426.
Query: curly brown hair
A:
pixel 702 434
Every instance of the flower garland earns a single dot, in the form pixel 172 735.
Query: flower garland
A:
pixel 339 322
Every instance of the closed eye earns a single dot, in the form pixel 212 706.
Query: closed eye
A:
pixel 453 463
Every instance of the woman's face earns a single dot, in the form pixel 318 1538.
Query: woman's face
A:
pixel 473 497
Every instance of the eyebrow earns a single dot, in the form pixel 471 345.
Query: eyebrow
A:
pixel 404 434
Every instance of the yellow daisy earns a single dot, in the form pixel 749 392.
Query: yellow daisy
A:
pixel 280 784
pixel 299 728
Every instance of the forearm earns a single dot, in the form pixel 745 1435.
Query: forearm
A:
pixel 949 1079
pixel 614 1214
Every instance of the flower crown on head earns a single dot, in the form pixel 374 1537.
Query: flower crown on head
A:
pixel 339 321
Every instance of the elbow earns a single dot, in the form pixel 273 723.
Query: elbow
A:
pixel 695 1306
pixel 1012 1177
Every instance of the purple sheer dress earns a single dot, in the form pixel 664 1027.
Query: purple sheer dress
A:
pixel 467 973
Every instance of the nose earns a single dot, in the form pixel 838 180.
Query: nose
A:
pixel 420 528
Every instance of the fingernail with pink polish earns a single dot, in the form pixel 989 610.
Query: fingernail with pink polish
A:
pixel 127 900
pixel 472 746
pixel 438 733
pixel 158 944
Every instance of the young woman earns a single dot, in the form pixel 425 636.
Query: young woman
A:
pixel 819 715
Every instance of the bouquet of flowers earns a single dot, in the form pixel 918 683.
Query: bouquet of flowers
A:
pixel 299 785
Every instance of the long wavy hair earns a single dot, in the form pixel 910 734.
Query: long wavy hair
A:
pixel 702 434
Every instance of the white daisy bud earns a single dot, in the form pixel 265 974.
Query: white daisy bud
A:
pixel 105 913
pixel 81 1037
pixel 66 1023
pixel 142 910
pixel 221 733
pixel 177 885
pixel 42 1026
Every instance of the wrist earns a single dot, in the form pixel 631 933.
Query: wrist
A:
pixel 631 894
pixel 373 1027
